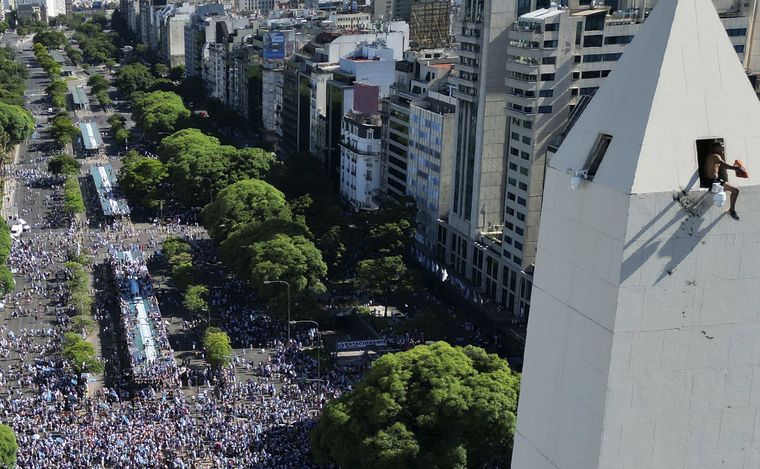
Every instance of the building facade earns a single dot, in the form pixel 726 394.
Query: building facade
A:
pixel 360 160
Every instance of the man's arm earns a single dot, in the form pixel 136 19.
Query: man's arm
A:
pixel 719 159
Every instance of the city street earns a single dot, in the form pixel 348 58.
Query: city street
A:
pixel 275 390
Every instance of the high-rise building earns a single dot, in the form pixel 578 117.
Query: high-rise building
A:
pixel 556 59
pixel 360 162
pixel 642 347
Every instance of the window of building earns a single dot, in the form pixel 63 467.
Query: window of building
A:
pixel 592 41
pixel 605 73
pixel 596 156
pixel 618 39
pixel 550 44
pixel 612 57
pixel 739 48
pixel 555 27
pixel 524 171
pixel 576 75
pixel 704 148
pixel 510 211
pixel 577 58
pixel 549 61
pixel 524 155
pixel 591 74
pixel 518 245
pixel 595 22
pixel 511 196
pixel 514 151
pixel 515 136
pixel 578 34
pixel 520 216
pixel 521 201
pixel 544 109
pixel 526 140
pixel 573 91
pixel 547 77
pixel 512 181
pixel 593 58
pixel 523 186
pixel 527 124
pixel 590 91
pixel 519 231
pixel 546 93
pixel 736 32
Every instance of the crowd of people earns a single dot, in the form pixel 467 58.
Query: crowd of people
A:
pixel 151 358
pixel 259 417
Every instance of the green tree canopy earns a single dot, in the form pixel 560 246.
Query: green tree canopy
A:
pixel 50 38
pixel 16 123
pixel 63 129
pixel 98 83
pixel 434 406
pixel 80 354
pixel 383 277
pixel 293 259
pixel 246 201
pixel 134 77
pixel 63 164
pixel 216 342
pixel 8 446
pixel 199 166
pixel 73 202
pixel 195 299
pixel 141 179
pixel 159 113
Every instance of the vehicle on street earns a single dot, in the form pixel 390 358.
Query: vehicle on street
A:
pixel 16 230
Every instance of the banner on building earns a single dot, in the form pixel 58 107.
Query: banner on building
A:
pixel 274 45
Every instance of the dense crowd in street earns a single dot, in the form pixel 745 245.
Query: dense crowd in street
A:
pixel 260 421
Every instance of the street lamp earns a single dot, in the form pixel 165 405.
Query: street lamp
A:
pixel 267 282
pixel 319 337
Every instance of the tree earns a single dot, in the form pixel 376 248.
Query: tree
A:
pixel 331 246
pixel 174 246
pixel 159 113
pixel 15 123
pixel 293 259
pixel 8 446
pixel 98 84
pixel 104 99
pixel 432 406
pixel 63 164
pixel 382 277
pixel 122 136
pixel 199 166
pixel 160 70
pixel 51 39
pixel 216 342
pixel 73 202
pixel 182 269
pixel 391 238
pixel 249 200
pixel 177 73
pixel 63 129
pixel 133 77
pixel 195 299
pixel 75 55
pixel 80 354
pixel 7 284
pixel 141 179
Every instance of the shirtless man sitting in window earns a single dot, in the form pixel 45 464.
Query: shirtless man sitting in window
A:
pixel 711 171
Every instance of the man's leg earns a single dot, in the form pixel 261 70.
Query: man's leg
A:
pixel 734 195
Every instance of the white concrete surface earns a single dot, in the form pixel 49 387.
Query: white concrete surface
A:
pixel 643 346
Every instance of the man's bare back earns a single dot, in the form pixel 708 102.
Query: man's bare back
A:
pixel 711 171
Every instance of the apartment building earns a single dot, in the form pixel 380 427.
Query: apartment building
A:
pixel 361 161
pixel 556 59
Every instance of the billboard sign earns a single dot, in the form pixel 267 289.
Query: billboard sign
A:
pixel 274 45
